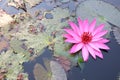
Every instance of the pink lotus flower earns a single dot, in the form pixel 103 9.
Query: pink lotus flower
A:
pixel 87 38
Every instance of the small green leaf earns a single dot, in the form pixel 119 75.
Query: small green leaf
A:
pixel 80 60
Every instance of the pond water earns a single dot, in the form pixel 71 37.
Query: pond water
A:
pixel 99 69
pixel 106 69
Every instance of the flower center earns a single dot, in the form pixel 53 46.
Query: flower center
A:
pixel 86 37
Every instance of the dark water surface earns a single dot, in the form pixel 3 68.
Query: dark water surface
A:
pixel 106 69
pixel 29 66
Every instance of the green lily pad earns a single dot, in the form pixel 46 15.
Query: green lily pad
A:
pixel 62 49
pixel 56 24
pixel 116 32
pixel 29 31
pixel 17 4
pixel 12 63
pixel 102 11
pixel 16 45
pixel 33 2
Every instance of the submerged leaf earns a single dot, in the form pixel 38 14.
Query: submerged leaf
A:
pixel 58 72
pixel 40 72
pixel 47 65
pixel 52 71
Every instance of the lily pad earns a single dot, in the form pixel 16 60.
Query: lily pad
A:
pixel 12 63
pixel 62 49
pixel 116 31
pixel 3 45
pixel 29 31
pixel 102 11
pixel 17 4
pixel 16 45
pixel 64 1
pixel 33 2
pixel 56 24
pixel 65 62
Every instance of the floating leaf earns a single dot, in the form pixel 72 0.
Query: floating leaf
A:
pixel 38 42
pixel 33 3
pixel 80 62
pixel 118 77
pixel 16 45
pixel 29 31
pixel 12 63
pixel 116 31
pixel 62 49
pixel 65 62
pixel 22 76
pixel 100 10
pixel 60 18
pixel 5 18
pixel 3 45
pixel 64 1
pixel 57 70
pixel 17 4
pixel 51 4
